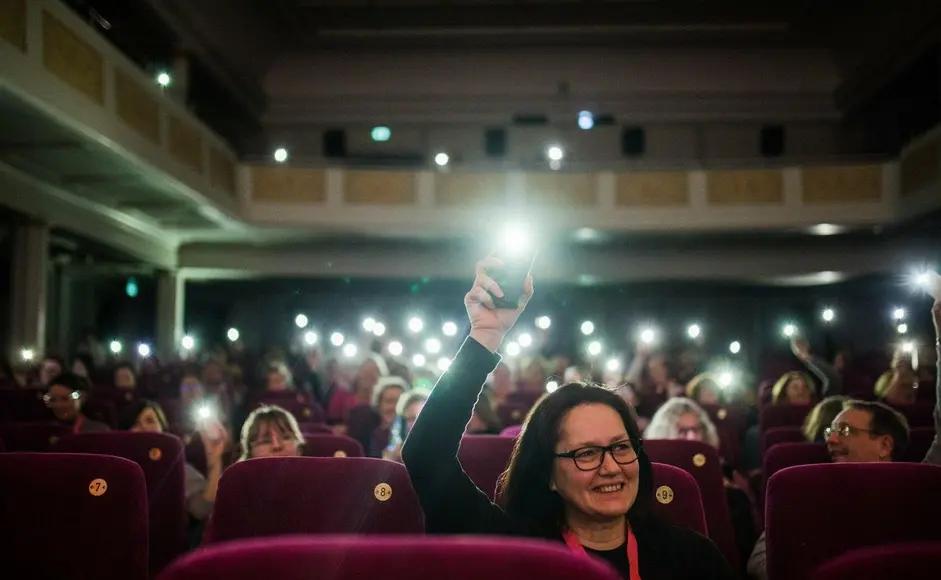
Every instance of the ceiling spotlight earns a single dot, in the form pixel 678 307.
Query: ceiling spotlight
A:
pixel 310 338
pixel 595 348
pixel 902 328
pixel 449 328
pixel 694 331
pixel 380 133
pixel 419 360
pixel 416 324
pixel 116 346
pixel 395 348
pixel 143 350
pixel 432 346
pixel 525 339
pixel 735 347
pixel 898 314
pixel 232 334
pixel 442 159
pixel 555 153
pixel 188 342
pixel 163 79
pixel 513 349
pixel 337 339
pixel 588 328
pixel 349 350
pixel 552 386
pixel 828 315
pixel 301 321
pixel 789 330
pixel 585 120
pixel 280 155
pixel 613 364
pixel 543 323
pixel 444 363
pixel 379 329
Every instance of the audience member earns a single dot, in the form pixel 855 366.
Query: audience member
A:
pixel 65 396
pixel 270 431
pixel 899 384
pixel 821 416
pixel 793 388
pixel 409 407
pixel 50 367
pixel 704 389
pixel 831 382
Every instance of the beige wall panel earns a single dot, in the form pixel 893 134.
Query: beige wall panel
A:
pixel 185 144
pixel 456 189
pixel 561 189
pixel 850 184
pixel 919 168
pixel 136 107
pixel 380 187
pixel 72 59
pixel 653 189
pixel 288 185
pixel 13 22
pixel 745 187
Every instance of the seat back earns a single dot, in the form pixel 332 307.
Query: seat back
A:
pixel 920 439
pixel 314 495
pixel 484 458
pixel 72 516
pixel 329 445
pixel 677 499
pixel 23 405
pixel 785 455
pixel 815 513
pixel 161 458
pixel 702 462
pixel 298 404
pixel 389 558
pixel 33 437
pixel 783 416
pixel 776 435
pixel 913 561
pixel 731 422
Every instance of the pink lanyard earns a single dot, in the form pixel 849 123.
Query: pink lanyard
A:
pixel 633 560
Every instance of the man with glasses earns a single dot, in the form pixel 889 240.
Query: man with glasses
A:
pixel 866 431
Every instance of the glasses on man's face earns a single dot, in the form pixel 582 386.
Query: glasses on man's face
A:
pixel 844 430
pixel 589 458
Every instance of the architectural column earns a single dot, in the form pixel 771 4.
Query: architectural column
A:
pixel 28 296
pixel 170 286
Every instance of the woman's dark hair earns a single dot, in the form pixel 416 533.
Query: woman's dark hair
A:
pixel 132 411
pixel 87 362
pixel 70 381
pixel 524 487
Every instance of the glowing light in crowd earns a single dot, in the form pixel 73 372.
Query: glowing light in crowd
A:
pixel 116 346
pixel 143 349
pixel 648 335
pixel 310 338
pixel 131 288
pixel 188 342
pixel 442 159
pixel 27 354
pixel 543 323
pixel 908 346
pixel 337 339
pixel 395 348
pixel 898 314
pixel 525 339
pixel 513 349
pixel 555 152
pixel 280 155
pixel 369 323
pixel 588 328
pixel 613 364
pixel 444 363
pixel 555 165
pixel 595 347
pixel 381 133
pixel 789 330
pixel 515 239
pixel 585 120
pixel 902 328
pixel 301 321
pixel 828 315
pixel 432 346
pixel 232 334
pixel 419 360
pixel 694 331
pixel 923 280
pixel 735 347
pixel 726 378
pixel 350 350
pixel 204 412
pixel 552 386
pixel 416 324
pixel 827 229
pixel 449 328
pixel 163 79
pixel 379 329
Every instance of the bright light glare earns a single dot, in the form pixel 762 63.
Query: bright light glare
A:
pixel 204 412
pixel 898 314
pixel 442 159
pixel 350 350
pixel 116 347
pixel 694 331
pixel 310 338
pixel 337 339
pixel 27 354
pixel 543 323
pixel 369 323
pixel 902 328
pixel 280 155
pixel 164 79
pixel 379 329
pixel 555 153
pixel 188 342
pixel 828 315
pixel 588 328
pixel 789 330
pixel 648 336
pixel 143 350
pixel 525 339
pixel 395 348
pixel 726 378
pixel 552 386
pixel 444 363
pixel 735 347
pixel 419 360
pixel 923 280
pixel 595 347
pixel 416 324
pixel 513 349
pixel 613 364
pixel 381 133
pixel 301 321
pixel 432 346
pixel 908 346
pixel 449 328
pixel 585 120
pixel 232 334
pixel 515 240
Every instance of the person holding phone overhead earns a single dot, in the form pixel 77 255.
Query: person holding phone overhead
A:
pixel 578 473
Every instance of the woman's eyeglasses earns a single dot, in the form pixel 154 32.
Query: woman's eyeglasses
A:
pixel 589 458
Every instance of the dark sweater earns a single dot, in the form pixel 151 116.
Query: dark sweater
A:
pixel 453 504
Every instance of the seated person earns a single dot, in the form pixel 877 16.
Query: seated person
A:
pixel 793 388
pixel 821 416
pixel 410 405
pixel 66 393
pixel 50 367
pixel 270 431
pixel 831 382
pixel 704 389
pixel 898 385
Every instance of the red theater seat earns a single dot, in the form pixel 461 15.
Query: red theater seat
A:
pixel 702 462
pixel 307 427
pixel 785 455
pixel 783 416
pixel 34 437
pixel 160 456
pixel 314 495
pixel 920 414
pixel 915 561
pixel 327 445
pixel 71 517
pixel 815 513
pixel 677 499
pixel 483 458
pixel 776 435
pixel 399 558
pixel 23 405
pixel 512 431
pixel 731 422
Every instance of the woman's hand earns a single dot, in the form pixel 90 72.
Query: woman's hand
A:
pixel 490 324
pixel 214 438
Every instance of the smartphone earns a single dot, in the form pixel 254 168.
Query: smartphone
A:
pixel 511 278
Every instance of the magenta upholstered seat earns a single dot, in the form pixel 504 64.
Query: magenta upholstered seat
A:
pixel 920 414
pixel 308 427
pixel 160 456
pixel 483 458
pixel 328 445
pixel 33 436
pixel 912 561
pixel 702 462
pixel 512 431
pixel 731 422
pixel 314 495
pixel 920 439
pixel 776 435
pixel 783 416
pixel 677 499
pixel 298 404
pixel 790 454
pixel 71 516
pixel 815 513
pixel 388 558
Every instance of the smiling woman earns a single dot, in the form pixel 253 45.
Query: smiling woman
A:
pixel 578 472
